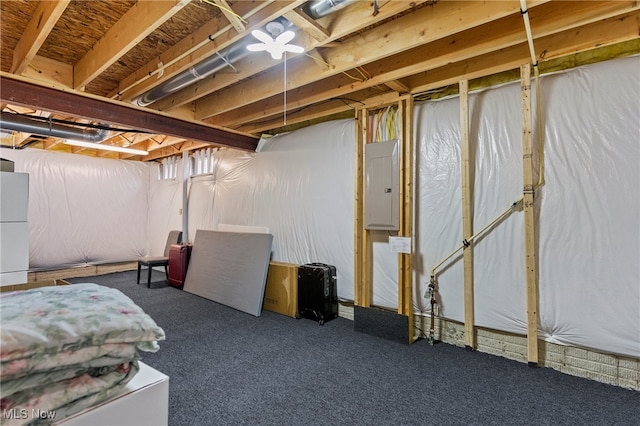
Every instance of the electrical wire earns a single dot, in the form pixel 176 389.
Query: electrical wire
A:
pixel 297 110
pixel 161 67
pixel 383 124
pixel 219 6
pixel 323 62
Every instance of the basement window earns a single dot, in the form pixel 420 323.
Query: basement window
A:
pixel 201 162
pixel 168 168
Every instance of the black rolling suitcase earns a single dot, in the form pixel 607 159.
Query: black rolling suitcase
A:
pixel 317 293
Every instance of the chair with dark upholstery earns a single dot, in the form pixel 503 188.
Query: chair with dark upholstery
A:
pixel 151 261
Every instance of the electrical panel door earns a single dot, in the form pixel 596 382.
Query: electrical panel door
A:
pixel 382 188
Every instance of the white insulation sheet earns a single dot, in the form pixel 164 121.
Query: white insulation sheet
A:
pixel 589 207
pixel 299 186
pixel 83 210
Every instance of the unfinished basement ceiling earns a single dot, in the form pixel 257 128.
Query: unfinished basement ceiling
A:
pixel 106 56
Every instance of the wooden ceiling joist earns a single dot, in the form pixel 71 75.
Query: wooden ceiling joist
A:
pixel 234 19
pixel 341 25
pixel 14 90
pixel 475 42
pixel 43 20
pixel 204 42
pixel 305 23
pixel 553 46
pixel 142 19
pixel 373 45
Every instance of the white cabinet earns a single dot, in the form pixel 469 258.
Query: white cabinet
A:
pixel 14 229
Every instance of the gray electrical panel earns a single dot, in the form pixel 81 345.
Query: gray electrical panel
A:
pixel 381 186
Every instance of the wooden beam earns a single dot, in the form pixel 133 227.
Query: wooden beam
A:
pixel 358 17
pixel 610 31
pixel 398 86
pixel 140 21
pixel 467 216
pixel 45 69
pixel 234 19
pixel 42 22
pixel 531 258
pixel 204 42
pixel 20 91
pixel 308 25
pixel 311 113
pixel 405 261
pixel 410 31
pixel 481 43
pixel 175 149
pixel 363 251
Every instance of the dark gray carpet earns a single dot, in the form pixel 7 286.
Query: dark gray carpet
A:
pixel 227 367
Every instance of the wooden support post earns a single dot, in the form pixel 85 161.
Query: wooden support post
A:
pixel 363 244
pixel 362 239
pixel 529 217
pixel 467 216
pixel 405 260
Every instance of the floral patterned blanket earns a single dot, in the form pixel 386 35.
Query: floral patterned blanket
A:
pixel 66 348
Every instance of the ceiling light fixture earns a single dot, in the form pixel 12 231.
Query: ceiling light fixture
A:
pixel 92 145
pixel 276 43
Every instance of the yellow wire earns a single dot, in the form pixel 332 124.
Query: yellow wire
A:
pixel 226 9
pixel 321 61
pixel 362 74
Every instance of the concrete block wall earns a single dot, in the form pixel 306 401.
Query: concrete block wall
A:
pixel 606 368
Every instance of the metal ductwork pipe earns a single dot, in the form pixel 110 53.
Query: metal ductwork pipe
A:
pixel 20 123
pixel 319 8
pixel 217 62
pixel 199 71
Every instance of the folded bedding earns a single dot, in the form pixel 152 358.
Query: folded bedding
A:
pixel 65 348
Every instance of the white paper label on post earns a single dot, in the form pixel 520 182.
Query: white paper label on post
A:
pixel 400 244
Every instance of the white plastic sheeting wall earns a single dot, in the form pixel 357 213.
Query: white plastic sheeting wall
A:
pixel 83 210
pixel 496 137
pixel 299 186
pixel 165 208
pixel 589 208
pixel 590 211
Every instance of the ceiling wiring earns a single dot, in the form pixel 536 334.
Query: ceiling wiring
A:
pixel 297 110
pixel 323 62
pixel 161 66
pixel 383 124
pixel 226 9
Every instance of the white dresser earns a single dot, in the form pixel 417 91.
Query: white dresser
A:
pixel 14 229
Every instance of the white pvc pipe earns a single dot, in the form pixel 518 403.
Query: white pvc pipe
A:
pixel 185 197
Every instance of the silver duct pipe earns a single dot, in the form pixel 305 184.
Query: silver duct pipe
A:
pixel 319 8
pixel 199 71
pixel 217 62
pixel 20 123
